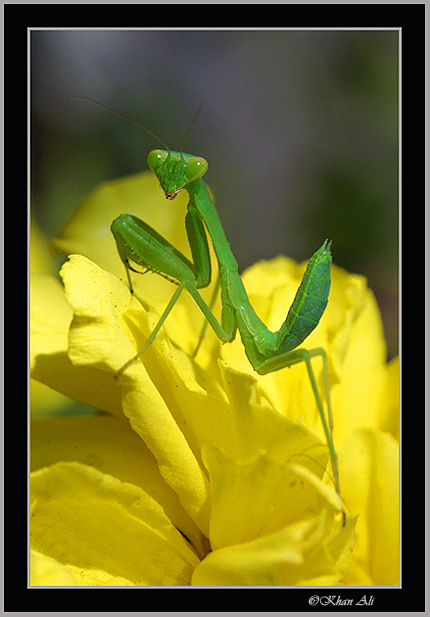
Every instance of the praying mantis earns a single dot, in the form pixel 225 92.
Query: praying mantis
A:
pixel 138 243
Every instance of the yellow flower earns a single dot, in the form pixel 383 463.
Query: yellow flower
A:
pixel 201 472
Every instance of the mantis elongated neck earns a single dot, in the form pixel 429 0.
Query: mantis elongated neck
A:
pixel 200 199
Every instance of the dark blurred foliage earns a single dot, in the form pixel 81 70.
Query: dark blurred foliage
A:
pixel 300 129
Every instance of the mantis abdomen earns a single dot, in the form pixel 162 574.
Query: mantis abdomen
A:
pixel 310 301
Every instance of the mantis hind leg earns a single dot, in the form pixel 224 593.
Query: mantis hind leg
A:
pixel 290 358
pixel 328 427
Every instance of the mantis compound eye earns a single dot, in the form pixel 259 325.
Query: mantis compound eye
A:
pixel 196 168
pixel 156 158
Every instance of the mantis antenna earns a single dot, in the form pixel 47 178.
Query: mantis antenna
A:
pixel 191 126
pixel 112 111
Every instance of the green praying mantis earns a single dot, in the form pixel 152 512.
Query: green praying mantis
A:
pixel 267 351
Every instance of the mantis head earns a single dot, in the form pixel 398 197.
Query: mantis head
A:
pixel 176 170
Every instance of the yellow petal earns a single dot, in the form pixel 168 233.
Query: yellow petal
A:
pixel 256 497
pixel 358 400
pixel 391 403
pixel 369 470
pixel 50 316
pixel 101 441
pixel 300 554
pixel 153 421
pixel 48 572
pixel 97 299
pixel 44 400
pixel 96 522
pixel 260 427
pixel 49 322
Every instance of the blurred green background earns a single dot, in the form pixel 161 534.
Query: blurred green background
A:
pixel 300 129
